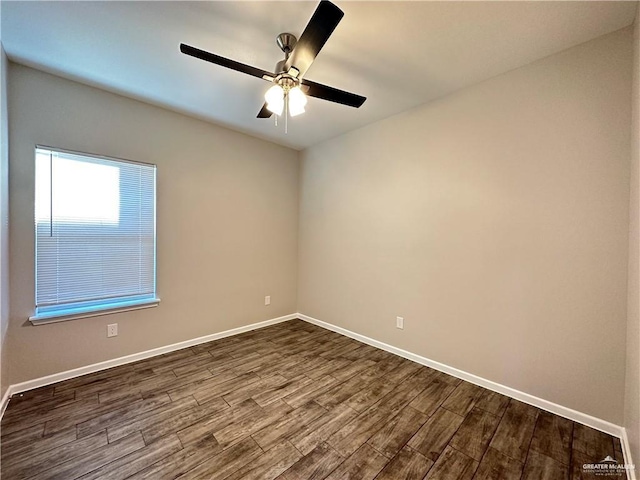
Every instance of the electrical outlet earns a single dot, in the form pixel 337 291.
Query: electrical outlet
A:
pixel 400 323
pixel 267 300
pixel 112 330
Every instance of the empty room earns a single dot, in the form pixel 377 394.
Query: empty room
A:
pixel 308 240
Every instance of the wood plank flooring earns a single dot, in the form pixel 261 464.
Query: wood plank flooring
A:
pixel 288 402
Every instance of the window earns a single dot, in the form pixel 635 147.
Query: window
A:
pixel 95 235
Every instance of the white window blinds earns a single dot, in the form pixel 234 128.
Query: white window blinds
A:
pixel 95 233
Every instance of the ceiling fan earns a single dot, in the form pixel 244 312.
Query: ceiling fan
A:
pixel 288 94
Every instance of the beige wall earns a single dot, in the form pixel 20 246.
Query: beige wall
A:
pixel 4 214
pixel 632 391
pixel 226 222
pixel 494 221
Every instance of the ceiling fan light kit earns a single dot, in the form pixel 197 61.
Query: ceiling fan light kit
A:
pixel 288 95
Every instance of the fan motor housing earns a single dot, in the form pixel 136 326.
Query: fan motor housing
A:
pixel 280 66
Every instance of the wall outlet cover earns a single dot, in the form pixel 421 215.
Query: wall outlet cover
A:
pixel 112 330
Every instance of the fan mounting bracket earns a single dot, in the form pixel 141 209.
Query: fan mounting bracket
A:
pixel 286 42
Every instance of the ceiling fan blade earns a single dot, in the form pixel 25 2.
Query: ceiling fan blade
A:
pixel 225 62
pixel 264 112
pixel 331 94
pixel 322 24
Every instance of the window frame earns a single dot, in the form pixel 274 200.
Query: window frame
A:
pixel 94 308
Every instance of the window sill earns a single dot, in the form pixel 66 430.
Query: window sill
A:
pixel 63 316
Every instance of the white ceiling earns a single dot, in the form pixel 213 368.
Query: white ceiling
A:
pixel 398 54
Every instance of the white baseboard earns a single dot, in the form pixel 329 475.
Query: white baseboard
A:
pixel 96 367
pixel 565 412
pixel 4 402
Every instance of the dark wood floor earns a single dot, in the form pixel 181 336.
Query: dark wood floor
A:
pixel 288 402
